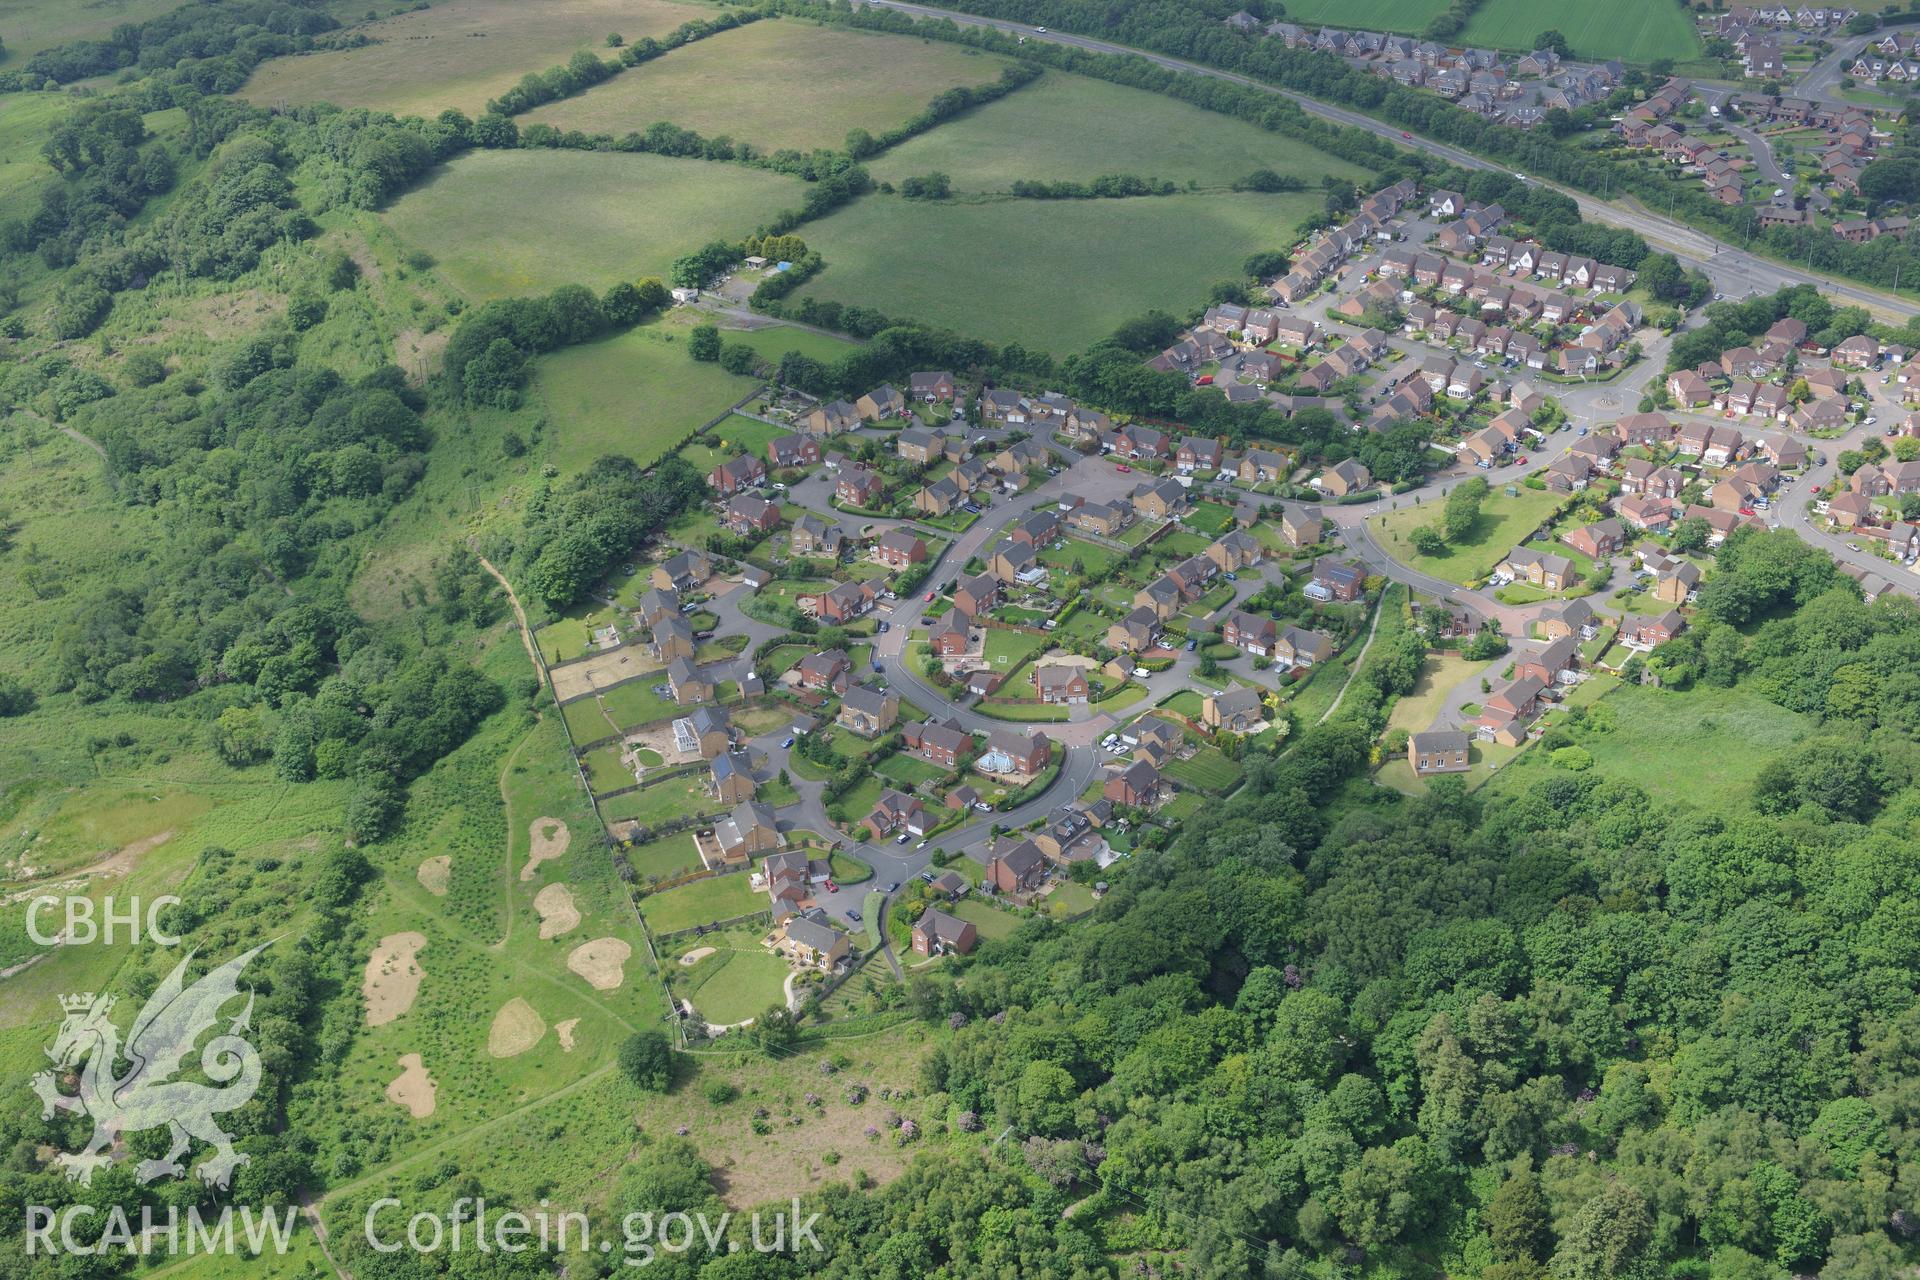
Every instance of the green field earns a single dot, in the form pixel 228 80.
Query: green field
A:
pixel 1071 128
pixel 492 220
pixel 1053 274
pixel 1409 16
pixel 29 26
pixel 778 84
pixel 701 902
pixel 1503 524
pixel 635 393
pixel 425 60
pixel 1631 30
pixel 775 340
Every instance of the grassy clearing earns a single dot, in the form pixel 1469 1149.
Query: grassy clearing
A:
pixel 1071 128
pixel 431 59
pixel 778 84
pixel 635 394
pixel 24 121
pixel 1054 275
pixel 492 220
pixel 1503 523
pixel 1703 747
pixel 1631 30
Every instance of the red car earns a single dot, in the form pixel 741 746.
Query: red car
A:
pixel 1520 461
pixel 1406 135
pixel 1204 380
pixel 929 597
pixel 1121 466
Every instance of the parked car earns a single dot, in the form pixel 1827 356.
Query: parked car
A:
pixel 1192 645
pixel 853 916
pixel 902 838
pixel 787 743
pixel 883 627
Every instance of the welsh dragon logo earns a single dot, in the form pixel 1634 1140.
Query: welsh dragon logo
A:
pixel 148 1096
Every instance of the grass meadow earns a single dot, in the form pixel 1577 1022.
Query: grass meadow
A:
pixel 33 25
pixel 1631 30
pixel 484 948
pixel 1052 275
pixel 497 224
pixel 778 84
pixel 1701 748
pixel 1068 127
pixel 458 53
pixel 1409 16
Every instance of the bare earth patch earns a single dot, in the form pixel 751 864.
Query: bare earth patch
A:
pixel 695 956
pixel 601 671
pixel 549 837
pixel 414 1089
pixel 516 1029
pixel 436 874
pixel 600 961
pixel 558 915
pixel 393 977
pixel 565 1031
pixel 419 353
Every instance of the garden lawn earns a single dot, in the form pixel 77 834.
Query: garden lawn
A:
pixel 604 769
pixel 1208 771
pixel 1210 518
pixel 1071 128
pixel 1186 703
pixel 1091 556
pixel 1007 651
pixel 635 703
pixel 1630 30
pixel 493 222
pixel 1416 712
pixel 635 394
pixel 667 856
pixel 990 921
pixel 424 60
pixel 747 981
pixel 1053 275
pixel 907 772
pixel 1503 523
pixel 701 902
pixel 778 84
pixel 662 802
